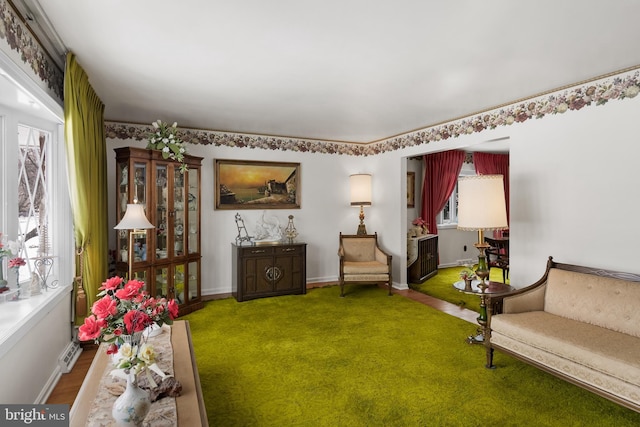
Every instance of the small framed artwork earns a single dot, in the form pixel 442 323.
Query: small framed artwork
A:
pixel 245 184
pixel 411 189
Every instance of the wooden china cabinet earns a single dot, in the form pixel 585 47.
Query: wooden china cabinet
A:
pixel 167 258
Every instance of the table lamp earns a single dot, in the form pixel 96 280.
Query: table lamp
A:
pixel 360 196
pixel 481 206
pixel 134 220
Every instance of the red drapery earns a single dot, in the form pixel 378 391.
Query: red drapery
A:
pixel 494 164
pixel 441 172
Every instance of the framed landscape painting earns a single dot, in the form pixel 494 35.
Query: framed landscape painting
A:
pixel 245 184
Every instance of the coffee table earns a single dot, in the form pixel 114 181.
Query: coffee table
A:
pixel 493 288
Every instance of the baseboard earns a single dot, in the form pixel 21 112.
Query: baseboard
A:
pixel 211 297
pixel 327 279
pixel 400 286
pixel 49 386
pixel 450 264
pixel 66 361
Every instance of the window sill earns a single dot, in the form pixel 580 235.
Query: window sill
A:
pixel 447 226
pixel 18 317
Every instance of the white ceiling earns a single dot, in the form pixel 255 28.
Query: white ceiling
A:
pixel 344 70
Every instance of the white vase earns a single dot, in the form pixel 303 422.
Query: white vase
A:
pixel 3 282
pixel 132 406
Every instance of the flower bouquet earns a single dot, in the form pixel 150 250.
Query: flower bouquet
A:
pixel 120 316
pixel 7 248
pixel 15 263
pixel 165 139
pixel 467 274
pixel 421 224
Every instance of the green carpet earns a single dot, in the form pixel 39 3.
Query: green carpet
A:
pixel 441 286
pixel 370 360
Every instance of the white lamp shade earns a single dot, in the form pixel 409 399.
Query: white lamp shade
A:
pixel 360 189
pixel 481 204
pixel 134 219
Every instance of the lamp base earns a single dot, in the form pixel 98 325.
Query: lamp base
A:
pixel 362 230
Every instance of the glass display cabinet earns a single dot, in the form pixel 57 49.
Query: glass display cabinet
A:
pixel 166 258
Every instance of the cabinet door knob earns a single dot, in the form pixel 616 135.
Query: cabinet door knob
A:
pixel 273 273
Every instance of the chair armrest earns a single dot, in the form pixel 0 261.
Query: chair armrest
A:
pixel 382 256
pixel 522 300
pixel 530 298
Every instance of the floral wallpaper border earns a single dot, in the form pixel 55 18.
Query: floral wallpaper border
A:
pixel 19 38
pixel 619 86
pixel 594 93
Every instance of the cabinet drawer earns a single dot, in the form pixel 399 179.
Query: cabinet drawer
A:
pixel 256 251
pixel 289 250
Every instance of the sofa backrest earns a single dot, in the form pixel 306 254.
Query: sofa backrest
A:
pixel 603 301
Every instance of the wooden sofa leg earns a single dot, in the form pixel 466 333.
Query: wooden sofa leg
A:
pixel 341 289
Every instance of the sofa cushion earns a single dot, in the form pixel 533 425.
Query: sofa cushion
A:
pixel 603 350
pixel 602 301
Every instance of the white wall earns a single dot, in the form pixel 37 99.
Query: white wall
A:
pixel 30 348
pixel 572 196
pixel 324 212
pixel 573 190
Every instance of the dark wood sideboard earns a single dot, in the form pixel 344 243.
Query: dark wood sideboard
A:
pixel 268 270
pixel 426 265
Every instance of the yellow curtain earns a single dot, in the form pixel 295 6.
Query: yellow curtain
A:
pixel 87 166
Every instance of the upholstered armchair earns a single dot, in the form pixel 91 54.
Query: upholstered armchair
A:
pixel 363 261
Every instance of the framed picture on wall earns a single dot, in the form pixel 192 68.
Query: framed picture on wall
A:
pixel 411 189
pixel 245 184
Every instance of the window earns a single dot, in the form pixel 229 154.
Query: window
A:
pixel 449 214
pixel 34 200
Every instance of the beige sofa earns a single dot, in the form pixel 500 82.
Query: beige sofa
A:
pixel 581 324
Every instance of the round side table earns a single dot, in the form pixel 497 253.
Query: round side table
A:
pixel 492 288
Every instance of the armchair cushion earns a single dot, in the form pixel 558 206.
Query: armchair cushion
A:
pixel 359 249
pixel 365 267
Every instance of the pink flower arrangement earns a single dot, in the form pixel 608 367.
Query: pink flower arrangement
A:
pixel 16 262
pixel 123 309
pixel 467 274
pixel 419 222
pixel 8 247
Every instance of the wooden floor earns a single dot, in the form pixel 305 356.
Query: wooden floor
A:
pixel 69 385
